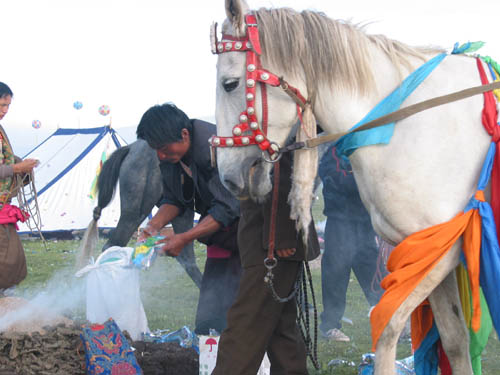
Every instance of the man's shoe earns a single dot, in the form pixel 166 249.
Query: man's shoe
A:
pixel 335 334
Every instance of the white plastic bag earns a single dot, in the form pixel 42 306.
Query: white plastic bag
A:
pixel 113 291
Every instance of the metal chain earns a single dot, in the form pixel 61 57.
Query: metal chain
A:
pixel 268 279
pixel 303 321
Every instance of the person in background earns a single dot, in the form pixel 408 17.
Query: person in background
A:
pixel 12 258
pixel 350 244
pixel 257 322
pixel 190 182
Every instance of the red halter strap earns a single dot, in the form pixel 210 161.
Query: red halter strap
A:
pixel 248 132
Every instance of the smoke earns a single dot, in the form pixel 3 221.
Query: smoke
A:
pixel 168 295
pixel 63 295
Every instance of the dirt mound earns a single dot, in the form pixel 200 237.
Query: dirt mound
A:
pixel 35 341
pixel 166 358
pixel 19 315
pixel 60 351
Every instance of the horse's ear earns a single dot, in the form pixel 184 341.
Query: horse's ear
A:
pixel 235 11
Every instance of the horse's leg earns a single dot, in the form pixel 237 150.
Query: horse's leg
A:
pixel 186 258
pixel 385 355
pixel 447 310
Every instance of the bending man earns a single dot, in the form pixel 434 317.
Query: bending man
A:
pixel 190 182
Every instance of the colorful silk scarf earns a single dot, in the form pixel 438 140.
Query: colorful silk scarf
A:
pixel 412 260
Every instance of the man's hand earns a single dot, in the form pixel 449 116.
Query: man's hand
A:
pixel 174 243
pixel 146 232
pixel 166 213
pixel 285 253
pixel 26 166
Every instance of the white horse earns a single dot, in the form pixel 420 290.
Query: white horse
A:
pixel 423 177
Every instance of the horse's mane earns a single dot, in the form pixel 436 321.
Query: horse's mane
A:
pixel 326 50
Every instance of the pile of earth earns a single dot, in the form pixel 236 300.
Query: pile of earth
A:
pixel 166 358
pixel 29 347
pixel 58 350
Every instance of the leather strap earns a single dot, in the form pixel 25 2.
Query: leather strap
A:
pixel 274 213
pixel 406 112
pixel 186 169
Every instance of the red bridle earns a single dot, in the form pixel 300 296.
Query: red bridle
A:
pixel 248 132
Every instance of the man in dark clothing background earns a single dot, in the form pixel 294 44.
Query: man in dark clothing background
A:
pixel 349 245
pixel 190 182
pixel 257 323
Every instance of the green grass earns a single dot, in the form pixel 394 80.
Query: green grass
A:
pixel 170 298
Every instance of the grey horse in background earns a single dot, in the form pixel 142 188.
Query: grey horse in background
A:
pixel 137 168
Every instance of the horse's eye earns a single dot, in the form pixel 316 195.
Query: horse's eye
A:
pixel 230 84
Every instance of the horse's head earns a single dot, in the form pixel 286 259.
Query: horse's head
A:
pixel 254 106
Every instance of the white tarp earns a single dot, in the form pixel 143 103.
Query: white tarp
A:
pixel 69 162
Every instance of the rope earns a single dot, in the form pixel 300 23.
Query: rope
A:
pixel 311 342
pixel 397 115
pixel 27 198
pixel 301 299
pixel 301 283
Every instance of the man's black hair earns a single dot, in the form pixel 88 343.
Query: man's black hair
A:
pixel 5 90
pixel 162 124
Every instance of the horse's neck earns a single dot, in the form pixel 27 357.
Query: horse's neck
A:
pixel 339 110
pixel 394 178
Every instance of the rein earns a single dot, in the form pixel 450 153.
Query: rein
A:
pixel 396 115
pixel 249 132
pixel 255 73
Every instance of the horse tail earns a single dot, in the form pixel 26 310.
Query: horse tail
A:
pixel 106 183
pixel 108 178
pixel 87 245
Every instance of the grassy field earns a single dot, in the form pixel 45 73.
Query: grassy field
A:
pixel 170 299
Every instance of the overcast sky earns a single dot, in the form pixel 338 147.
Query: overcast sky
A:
pixel 132 54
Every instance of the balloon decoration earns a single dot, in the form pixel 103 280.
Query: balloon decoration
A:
pixel 77 105
pixel 36 124
pixel 104 110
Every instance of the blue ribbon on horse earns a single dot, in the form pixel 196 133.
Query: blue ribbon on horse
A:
pixel 349 143
pixel 489 277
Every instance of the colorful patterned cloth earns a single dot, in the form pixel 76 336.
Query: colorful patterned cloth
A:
pixel 107 351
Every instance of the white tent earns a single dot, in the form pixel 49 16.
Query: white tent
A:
pixel 69 162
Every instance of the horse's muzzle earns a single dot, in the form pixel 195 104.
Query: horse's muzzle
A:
pixel 237 188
